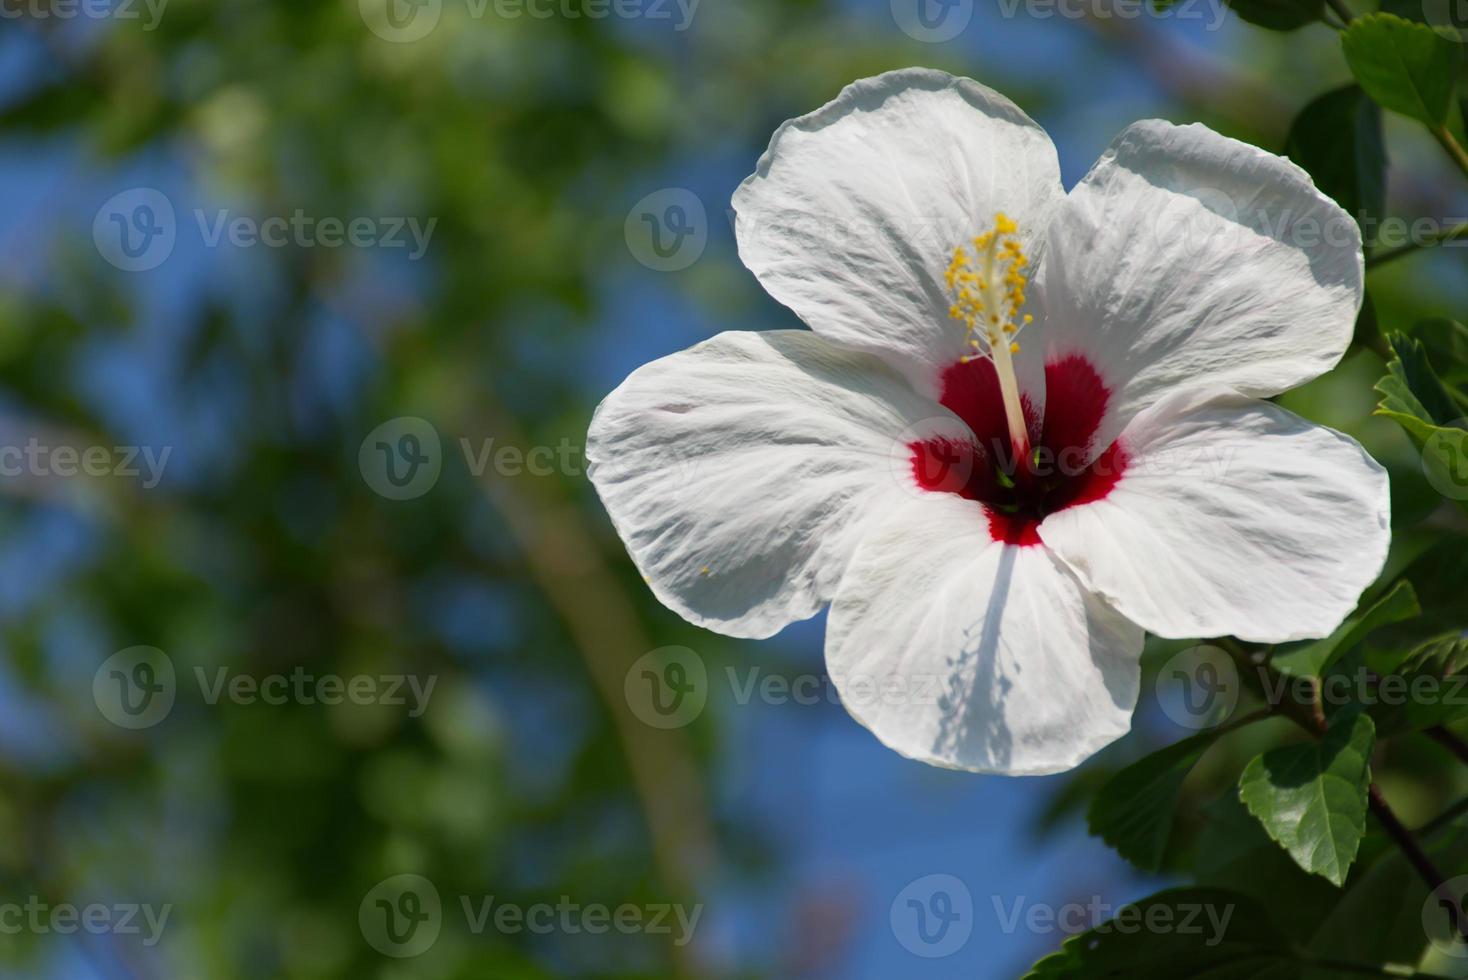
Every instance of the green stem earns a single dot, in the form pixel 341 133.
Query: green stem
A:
pixel 1341 10
pixel 1449 741
pixel 1443 819
pixel 1267 681
pixel 1409 846
pixel 1435 238
pixel 1452 146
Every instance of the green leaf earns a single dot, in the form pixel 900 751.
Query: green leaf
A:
pixel 1312 659
pixel 1311 798
pixel 1414 397
pixel 1447 347
pixel 1176 934
pixel 1406 67
pixel 1279 15
pixel 1133 811
pixel 1337 139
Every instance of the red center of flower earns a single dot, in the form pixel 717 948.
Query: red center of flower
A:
pixel 1019 494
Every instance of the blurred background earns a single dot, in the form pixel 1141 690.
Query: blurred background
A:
pixel 304 308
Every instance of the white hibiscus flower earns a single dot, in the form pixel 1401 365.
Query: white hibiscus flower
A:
pixel 1024 426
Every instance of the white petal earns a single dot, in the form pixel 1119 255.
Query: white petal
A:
pixel 1187 257
pixel 963 652
pixel 1233 517
pixel 853 213
pixel 740 472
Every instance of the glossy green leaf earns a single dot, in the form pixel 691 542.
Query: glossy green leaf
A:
pixel 1311 797
pixel 1337 139
pixel 1405 66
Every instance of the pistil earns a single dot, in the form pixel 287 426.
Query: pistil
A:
pixel 988 295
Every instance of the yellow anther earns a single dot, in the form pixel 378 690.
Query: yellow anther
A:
pixel 989 286
pixel 989 289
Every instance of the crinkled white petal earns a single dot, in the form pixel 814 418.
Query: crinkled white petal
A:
pixel 740 473
pixel 1185 257
pixel 1233 517
pixel 854 211
pixel 964 652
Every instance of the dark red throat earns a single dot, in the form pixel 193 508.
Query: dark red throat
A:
pixel 1020 493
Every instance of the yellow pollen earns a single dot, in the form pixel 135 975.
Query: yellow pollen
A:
pixel 989 289
pixel 989 286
